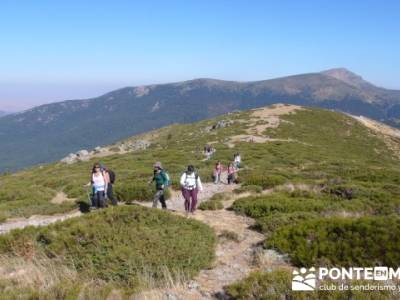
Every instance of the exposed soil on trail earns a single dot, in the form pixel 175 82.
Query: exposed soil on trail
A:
pixel 235 259
pixel 36 220
pixel 390 135
pixel 61 197
pixel 260 120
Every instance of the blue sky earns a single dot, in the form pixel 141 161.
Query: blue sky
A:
pixel 56 50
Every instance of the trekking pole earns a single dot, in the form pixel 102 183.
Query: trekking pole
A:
pixel 88 195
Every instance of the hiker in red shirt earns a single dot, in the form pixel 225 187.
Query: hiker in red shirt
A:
pixel 231 173
pixel 219 168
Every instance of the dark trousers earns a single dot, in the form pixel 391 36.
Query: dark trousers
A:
pixel 99 199
pixel 231 178
pixel 159 196
pixel 110 194
pixel 190 206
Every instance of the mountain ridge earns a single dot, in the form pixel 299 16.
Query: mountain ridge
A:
pixel 51 131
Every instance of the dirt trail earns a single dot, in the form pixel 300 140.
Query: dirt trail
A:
pixel 235 259
pixel 390 135
pixel 36 220
pixel 260 120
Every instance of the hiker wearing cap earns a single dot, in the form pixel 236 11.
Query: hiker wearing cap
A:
pixel 161 181
pixel 191 184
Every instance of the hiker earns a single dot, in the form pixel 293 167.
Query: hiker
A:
pixel 237 160
pixel 232 170
pixel 161 181
pixel 191 185
pixel 99 181
pixel 208 151
pixel 217 172
pixel 111 180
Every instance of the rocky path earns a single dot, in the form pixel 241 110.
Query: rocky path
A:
pixel 36 220
pixel 235 258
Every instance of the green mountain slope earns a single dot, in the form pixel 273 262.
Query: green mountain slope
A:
pixel 49 132
pixel 334 192
pixel 310 146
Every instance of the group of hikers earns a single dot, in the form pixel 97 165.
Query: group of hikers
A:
pixel 102 180
pixel 232 170
pixel 190 184
pixel 209 151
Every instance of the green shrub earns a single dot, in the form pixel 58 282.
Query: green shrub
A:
pixel 367 241
pixel 260 286
pixel 119 244
pixel 129 193
pixel 211 205
pixel 248 188
pixel 260 206
pixel 220 196
pixel 298 193
pixel 270 223
pixel 265 181
pixel 276 285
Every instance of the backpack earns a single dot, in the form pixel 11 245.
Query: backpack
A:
pixel 196 176
pixel 167 178
pixel 112 176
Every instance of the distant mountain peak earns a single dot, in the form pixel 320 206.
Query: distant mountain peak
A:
pixel 347 76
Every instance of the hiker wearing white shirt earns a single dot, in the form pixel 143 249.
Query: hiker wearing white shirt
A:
pixel 99 180
pixel 237 160
pixel 191 185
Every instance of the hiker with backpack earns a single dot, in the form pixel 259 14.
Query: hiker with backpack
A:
pixel 111 180
pixel 161 180
pixel 219 168
pixel 208 151
pixel 232 170
pixel 99 181
pixel 237 160
pixel 191 185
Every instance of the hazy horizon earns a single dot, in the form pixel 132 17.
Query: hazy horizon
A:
pixel 55 51
pixel 56 93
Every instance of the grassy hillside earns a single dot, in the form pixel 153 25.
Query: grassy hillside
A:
pixel 120 245
pixel 341 209
pixel 333 179
pixel 312 147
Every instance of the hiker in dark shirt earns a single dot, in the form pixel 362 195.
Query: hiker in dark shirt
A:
pixel 111 181
pixel 160 180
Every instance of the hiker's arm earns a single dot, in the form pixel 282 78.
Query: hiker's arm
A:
pixel 151 180
pixel 106 178
pixel 182 181
pixel 90 182
pixel 199 184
